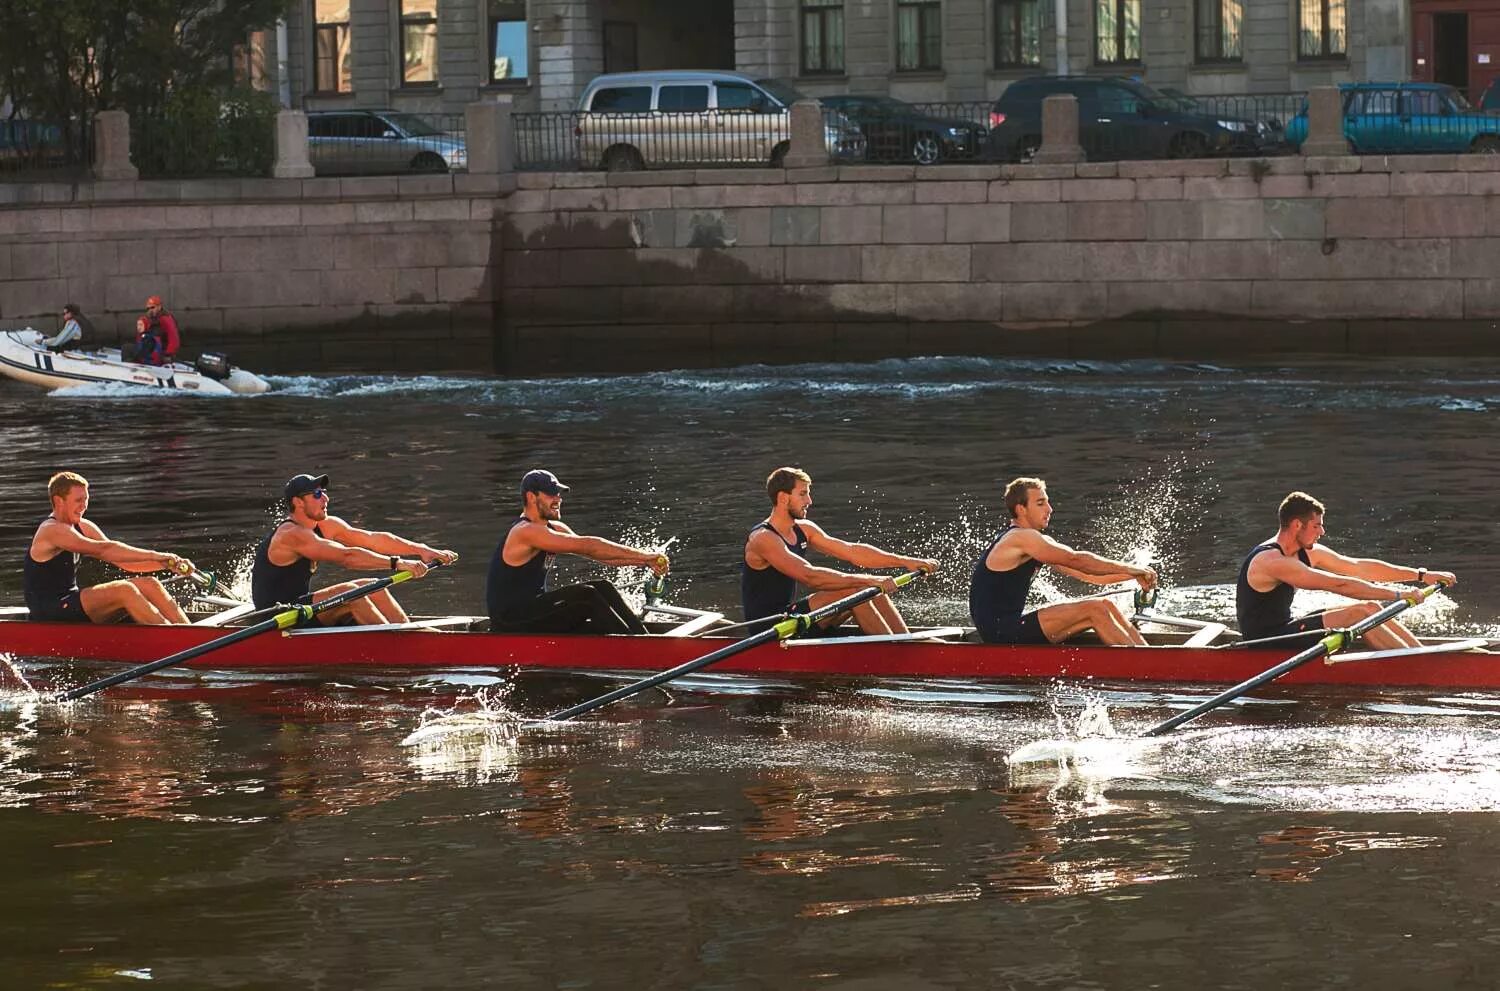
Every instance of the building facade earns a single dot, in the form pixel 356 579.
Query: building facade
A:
pixel 437 55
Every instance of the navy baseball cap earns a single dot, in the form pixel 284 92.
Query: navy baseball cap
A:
pixel 301 485
pixel 541 480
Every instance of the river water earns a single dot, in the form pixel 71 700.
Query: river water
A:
pixel 223 831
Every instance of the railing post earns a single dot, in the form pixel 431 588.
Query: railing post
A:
pixel 1325 122
pixel 291 146
pixel 490 136
pixel 1059 131
pixel 809 142
pixel 112 146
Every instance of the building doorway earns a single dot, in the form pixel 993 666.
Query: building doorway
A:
pixel 1450 50
pixel 669 34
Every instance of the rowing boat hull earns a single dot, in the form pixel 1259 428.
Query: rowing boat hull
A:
pixel 408 649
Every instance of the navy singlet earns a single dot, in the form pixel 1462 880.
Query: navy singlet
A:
pixel 507 586
pixel 280 584
pixel 1262 614
pixel 51 586
pixel 766 591
pixel 998 598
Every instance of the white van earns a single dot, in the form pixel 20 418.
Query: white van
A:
pixel 682 117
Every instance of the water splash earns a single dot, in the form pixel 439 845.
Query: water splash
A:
pixel 14 687
pixel 491 719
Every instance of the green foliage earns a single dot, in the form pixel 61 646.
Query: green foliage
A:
pixel 201 132
pixel 62 61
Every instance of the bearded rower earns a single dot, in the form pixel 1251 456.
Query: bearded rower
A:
pixel 1273 571
pixel 49 573
pixel 1003 574
pixel 775 562
pixel 286 559
pixel 516 592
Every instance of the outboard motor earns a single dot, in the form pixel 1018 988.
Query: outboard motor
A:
pixel 215 366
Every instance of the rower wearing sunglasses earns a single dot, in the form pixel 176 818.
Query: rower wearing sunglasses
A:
pixel 286 559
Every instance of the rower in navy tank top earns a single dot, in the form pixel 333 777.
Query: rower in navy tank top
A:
pixel 286 558
pixel 49 578
pixel 1295 558
pixel 775 563
pixel 1003 574
pixel 516 593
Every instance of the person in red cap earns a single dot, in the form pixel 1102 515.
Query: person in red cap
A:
pixel 516 593
pixel 156 336
pixel 286 559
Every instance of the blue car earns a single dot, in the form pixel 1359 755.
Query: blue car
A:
pixel 1406 119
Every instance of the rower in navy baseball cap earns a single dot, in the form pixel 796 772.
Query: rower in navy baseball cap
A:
pixel 541 480
pixel 301 485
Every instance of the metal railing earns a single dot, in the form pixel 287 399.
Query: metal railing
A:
pixel 42 151
pixel 365 142
pixel 918 133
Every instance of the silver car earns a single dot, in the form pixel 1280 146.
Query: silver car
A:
pixel 380 142
pixel 637 120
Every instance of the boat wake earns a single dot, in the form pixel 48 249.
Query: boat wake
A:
pixel 493 719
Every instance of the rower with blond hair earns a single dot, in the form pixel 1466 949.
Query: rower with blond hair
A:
pixel 49 572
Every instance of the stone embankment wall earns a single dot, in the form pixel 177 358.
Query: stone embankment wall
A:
pixel 375 273
pixel 1170 258
pixel 586 270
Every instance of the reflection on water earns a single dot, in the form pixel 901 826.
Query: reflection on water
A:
pixel 236 830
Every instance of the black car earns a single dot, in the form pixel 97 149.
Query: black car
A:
pixel 1118 118
pixel 899 132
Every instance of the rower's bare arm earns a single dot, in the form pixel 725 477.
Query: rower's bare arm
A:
pixel 93 543
pixel 305 543
pixel 859 554
pixel 1083 564
pixel 773 550
pixel 555 541
pixel 1373 569
pixel 1298 575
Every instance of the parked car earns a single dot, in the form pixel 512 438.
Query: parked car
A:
pixel 380 142
pixel 637 120
pixel 1408 118
pixel 1118 118
pixel 896 131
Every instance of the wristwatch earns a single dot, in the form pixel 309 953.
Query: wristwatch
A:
pixel 395 563
pixel 1421 576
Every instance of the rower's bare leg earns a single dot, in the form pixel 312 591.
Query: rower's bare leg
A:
pixel 890 614
pixel 365 611
pixel 870 621
pixel 158 596
pixel 1064 619
pixel 385 603
pixel 102 603
pixel 1388 636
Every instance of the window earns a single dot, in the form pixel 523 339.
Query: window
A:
pixel 333 68
pixel 1117 31
pixel 1424 102
pixel 1018 33
pixel 248 62
pixel 919 35
pixel 508 41
pixel 1323 29
pixel 822 37
pixel 682 99
pixel 1373 103
pixel 622 100
pixel 1220 30
pixel 742 96
pixel 419 41
pixel 620 47
pixel 1117 100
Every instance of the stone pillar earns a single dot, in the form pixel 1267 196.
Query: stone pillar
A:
pixel 490 136
pixel 112 146
pixel 568 49
pixel 1059 131
pixel 809 136
pixel 1325 122
pixel 291 146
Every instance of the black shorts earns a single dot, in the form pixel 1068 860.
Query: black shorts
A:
pixel 1023 630
pixel 68 609
pixel 1312 623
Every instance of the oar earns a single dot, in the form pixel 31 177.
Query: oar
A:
pixel 788 627
pixel 292 616
pixel 1331 644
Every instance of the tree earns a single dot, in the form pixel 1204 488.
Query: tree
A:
pixel 64 60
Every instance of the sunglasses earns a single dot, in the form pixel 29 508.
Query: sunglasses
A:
pixel 319 493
